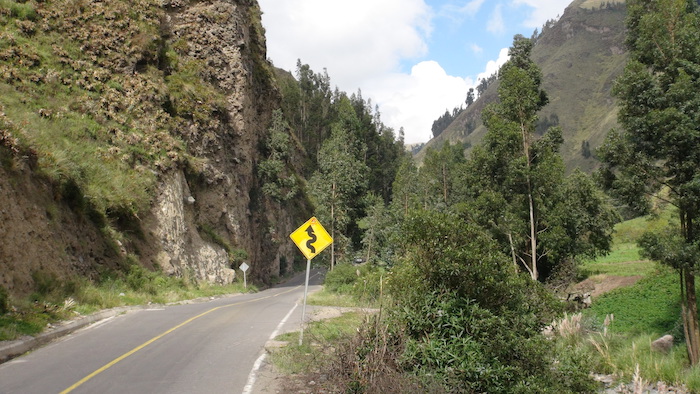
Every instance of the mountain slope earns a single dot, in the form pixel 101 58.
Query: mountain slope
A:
pixel 580 56
pixel 130 132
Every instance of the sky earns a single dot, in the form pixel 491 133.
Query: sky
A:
pixel 414 59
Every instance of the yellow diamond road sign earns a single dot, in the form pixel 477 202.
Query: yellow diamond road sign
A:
pixel 311 238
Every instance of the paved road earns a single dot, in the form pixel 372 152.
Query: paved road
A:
pixel 208 347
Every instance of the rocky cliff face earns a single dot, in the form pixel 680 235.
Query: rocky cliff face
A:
pixel 222 35
pixel 207 213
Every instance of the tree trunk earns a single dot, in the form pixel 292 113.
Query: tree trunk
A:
pixel 369 245
pixel 533 227
pixel 689 311
pixel 512 251
pixel 689 307
pixel 533 234
pixel 333 225
pixel 405 205
pixel 444 183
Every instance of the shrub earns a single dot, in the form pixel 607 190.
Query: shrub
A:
pixel 21 11
pixel 458 302
pixel 140 279
pixel 361 282
pixel 45 283
pixel 341 278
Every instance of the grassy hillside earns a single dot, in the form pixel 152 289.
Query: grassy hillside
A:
pixel 580 56
pixel 87 96
pixel 109 109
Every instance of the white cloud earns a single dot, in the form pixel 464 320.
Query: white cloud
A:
pixel 477 50
pixel 469 8
pixel 472 7
pixel 543 11
pixel 495 23
pixel 415 100
pixel 354 40
pixel 493 65
pixel 362 45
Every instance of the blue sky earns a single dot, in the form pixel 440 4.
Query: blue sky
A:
pixel 412 58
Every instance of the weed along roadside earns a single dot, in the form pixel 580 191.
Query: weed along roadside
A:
pixel 635 303
pixel 29 324
pixel 10 349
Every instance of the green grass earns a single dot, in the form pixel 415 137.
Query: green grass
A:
pixel 329 298
pixel 32 320
pixel 52 302
pixel 320 340
pixel 651 306
pixel 621 253
pixel 631 230
pixel 642 312
pixel 623 260
pixel 622 355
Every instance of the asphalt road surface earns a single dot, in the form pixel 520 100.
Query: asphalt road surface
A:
pixel 207 347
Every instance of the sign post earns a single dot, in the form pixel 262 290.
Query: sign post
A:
pixel 244 267
pixel 311 238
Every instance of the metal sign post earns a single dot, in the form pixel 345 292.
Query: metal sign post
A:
pixel 303 308
pixel 244 267
pixel 311 238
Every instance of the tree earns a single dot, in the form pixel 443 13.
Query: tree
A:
pixel 517 184
pixel 470 97
pixel 657 149
pixel 516 117
pixel 467 321
pixel 406 186
pixel 340 181
pixel 438 175
pixel 375 225
pixel 278 182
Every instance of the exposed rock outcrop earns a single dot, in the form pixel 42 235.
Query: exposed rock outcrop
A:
pixel 198 136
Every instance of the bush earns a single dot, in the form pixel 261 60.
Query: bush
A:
pixel 22 11
pixel 361 282
pixel 458 301
pixel 45 283
pixel 458 344
pixel 341 279
pixel 140 279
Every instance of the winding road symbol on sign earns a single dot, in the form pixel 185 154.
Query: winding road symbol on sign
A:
pixel 311 238
pixel 309 243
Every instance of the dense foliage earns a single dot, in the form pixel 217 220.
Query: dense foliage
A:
pixel 463 242
pixel 446 119
pixel 350 153
pixel 656 152
pixel 465 237
pixel 457 302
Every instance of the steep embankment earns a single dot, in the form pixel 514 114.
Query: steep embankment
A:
pixel 130 133
pixel 580 56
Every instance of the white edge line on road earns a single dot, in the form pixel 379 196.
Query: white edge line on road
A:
pixel 99 323
pixel 248 389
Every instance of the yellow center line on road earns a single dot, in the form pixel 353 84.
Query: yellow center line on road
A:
pixel 150 341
